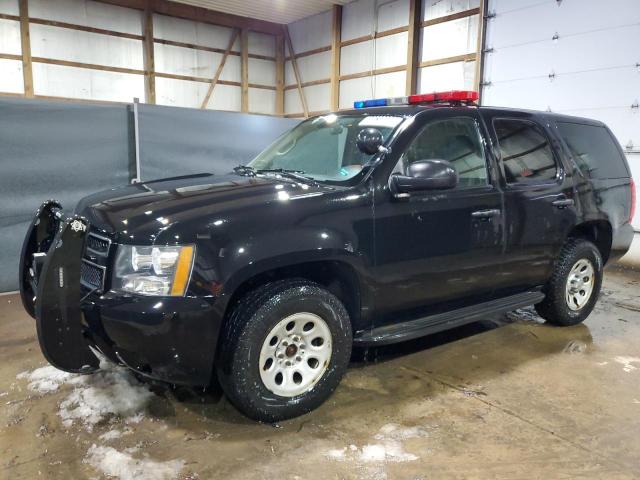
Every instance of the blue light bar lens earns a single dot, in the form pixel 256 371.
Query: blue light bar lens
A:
pixel 378 102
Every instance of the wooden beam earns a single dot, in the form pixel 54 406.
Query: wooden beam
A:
pixel 320 81
pixel 310 52
pixel 336 38
pixel 199 14
pixel 482 23
pixel 413 46
pixel 90 66
pixel 453 16
pixel 279 75
pixel 149 58
pixel 83 28
pixel 193 46
pixel 25 40
pixel 216 77
pixel 467 57
pixel 366 38
pixel 244 70
pixel 294 64
pixel 368 73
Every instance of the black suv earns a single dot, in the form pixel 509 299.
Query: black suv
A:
pixel 363 227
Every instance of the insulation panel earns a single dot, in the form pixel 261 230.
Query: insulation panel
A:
pixel 449 39
pixel 439 8
pixel 9 7
pixel 10 37
pixel 449 76
pixel 262 101
pixel 11 80
pixel 311 32
pixel 195 33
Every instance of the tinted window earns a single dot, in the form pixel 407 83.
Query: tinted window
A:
pixel 525 151
pixel 594 150
pixel 456 140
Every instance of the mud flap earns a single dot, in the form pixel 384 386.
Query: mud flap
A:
pixel 34 249
pixel 58 297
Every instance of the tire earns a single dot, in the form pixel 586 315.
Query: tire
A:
pixel 248 365
pixel 568 303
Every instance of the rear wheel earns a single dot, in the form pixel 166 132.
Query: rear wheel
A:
pixel 284 350
pixel 573 290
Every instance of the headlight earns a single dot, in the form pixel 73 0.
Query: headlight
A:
pixel 163 271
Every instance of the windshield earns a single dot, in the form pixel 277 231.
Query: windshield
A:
pixel 324 147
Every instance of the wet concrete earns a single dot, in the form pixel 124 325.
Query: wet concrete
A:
pixel 505 398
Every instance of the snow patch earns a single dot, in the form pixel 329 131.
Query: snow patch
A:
pixel 627 363
pixel 388 448
pixel 112 391
pixel 114 434
pixel 45 379
pixel 123 466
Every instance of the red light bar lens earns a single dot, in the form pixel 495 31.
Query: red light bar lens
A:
pixel 452 96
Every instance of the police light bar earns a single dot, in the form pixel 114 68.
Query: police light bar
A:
pixel 453 96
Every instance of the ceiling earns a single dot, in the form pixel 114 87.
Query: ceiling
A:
pixel 279 11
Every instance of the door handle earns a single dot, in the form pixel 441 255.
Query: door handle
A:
pixel 494 212
pixel 563 202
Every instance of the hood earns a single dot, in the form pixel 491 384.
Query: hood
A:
pixel 153 212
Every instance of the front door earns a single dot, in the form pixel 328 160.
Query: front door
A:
pixel 439 246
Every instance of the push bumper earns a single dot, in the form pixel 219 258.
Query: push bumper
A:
pixel 171 339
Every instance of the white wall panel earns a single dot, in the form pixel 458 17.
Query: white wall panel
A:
pixel 262 44
pixel 450 76
pixel 392 14
pixel 89 14
pixel 226 97
pixel 60 81
pixel 449 39
pixel 312 67
pixel 391 50
pixel 262 101
pixel 180 93
pixel 11 79
pixel 10 7
pixel 85 47
pixel 311 32
pixel 386 85
pixel 292 103
pixel 10 37
pixel 185 61
pixel 357 58
pixel 439 8
pixel 318 97
pixel 187 31
pixel 359 17
pixel 232 69
pixel 262 72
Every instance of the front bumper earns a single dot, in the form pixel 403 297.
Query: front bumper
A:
pixel 171 339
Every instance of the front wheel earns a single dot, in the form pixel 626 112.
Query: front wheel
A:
pixel 573 290
pixel 284 350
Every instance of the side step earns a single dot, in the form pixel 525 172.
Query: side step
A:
pixel 420 327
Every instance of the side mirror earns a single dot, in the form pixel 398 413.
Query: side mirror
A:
pixel 369 140
pixel 425 175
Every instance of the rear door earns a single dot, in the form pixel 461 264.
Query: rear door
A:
pixel 539 199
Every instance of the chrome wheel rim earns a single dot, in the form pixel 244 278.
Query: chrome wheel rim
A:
pixel 580 284
pixel 295 354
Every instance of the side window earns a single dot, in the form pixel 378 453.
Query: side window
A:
pixel 525 151
pixel 456 140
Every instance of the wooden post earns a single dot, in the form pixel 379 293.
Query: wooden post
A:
pixel 149 58
pixel 279 75
pixel 244 94
pixel 413 46
pixel 25 39
pixel 294 64
pixel 214 80
pixel 480 46
pixel 336 38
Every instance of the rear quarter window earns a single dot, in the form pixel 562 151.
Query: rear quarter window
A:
pixel 594 150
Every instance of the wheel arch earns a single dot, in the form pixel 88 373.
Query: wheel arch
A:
pixel 599 232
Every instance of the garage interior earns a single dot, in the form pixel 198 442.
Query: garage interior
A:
pixel 97 94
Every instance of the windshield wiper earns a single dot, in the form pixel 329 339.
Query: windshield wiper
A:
pixel 244 170
pixel 293 174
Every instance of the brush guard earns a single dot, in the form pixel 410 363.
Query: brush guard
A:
pixel 50 287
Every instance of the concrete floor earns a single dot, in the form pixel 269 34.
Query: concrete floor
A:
pixel 511 398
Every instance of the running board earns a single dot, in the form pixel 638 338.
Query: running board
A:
pixel 420 327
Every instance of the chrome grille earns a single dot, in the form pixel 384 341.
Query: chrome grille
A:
pixel 97 244
pixel 92 275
